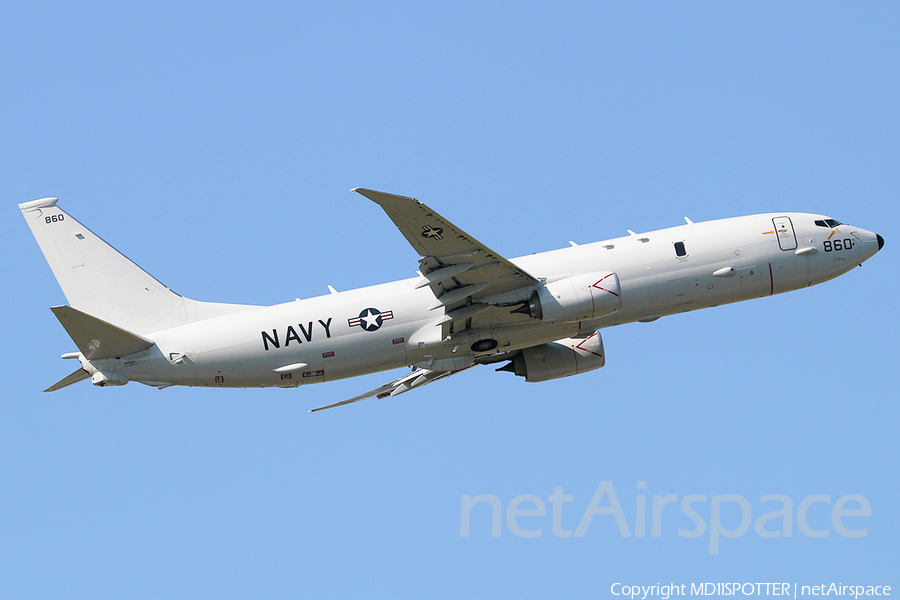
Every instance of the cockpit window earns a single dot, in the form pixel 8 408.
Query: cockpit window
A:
pixel 831 223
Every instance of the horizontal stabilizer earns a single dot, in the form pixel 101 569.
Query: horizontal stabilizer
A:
pixel 98 339
pixel 79 375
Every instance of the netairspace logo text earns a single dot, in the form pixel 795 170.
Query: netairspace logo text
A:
pixel 526 514
pixel 664 592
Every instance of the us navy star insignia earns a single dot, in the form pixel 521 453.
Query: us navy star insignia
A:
pixel 432 232
pixel 371 319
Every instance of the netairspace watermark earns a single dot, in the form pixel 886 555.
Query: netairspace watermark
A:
pixel 522 511
pixel 664 592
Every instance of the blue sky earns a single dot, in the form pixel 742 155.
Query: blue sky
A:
pixel 216 145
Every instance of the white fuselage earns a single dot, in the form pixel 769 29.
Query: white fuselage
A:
pixel 333 337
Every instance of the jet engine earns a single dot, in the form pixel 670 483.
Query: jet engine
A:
pixel 561 358
pixel 579 297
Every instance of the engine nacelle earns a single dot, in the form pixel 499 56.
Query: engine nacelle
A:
pixel 580 297
pixel 561 358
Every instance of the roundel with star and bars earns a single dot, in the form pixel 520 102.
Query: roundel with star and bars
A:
pixel 370 319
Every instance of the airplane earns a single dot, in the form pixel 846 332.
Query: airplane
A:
pixel 540 314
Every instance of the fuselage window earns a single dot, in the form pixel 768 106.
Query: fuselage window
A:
pixel 679 249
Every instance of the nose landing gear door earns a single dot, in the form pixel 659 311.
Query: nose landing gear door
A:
pixel 784 229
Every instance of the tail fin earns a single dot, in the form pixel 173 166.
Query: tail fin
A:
pixel 101 282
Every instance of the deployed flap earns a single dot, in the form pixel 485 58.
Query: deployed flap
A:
pixel 417 378
pixel 98 339
pixel 442 244
pixel 79 375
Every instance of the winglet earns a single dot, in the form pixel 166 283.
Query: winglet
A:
pixel 379 197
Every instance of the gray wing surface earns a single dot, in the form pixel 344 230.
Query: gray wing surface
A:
pixel 460 270
pixel 463 274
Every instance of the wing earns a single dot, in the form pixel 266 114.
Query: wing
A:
pixel 417 378
pixel 462 272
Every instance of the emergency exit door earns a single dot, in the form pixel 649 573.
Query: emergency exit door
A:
pixel 784 229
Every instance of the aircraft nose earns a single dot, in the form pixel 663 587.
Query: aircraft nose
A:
pixel 880 241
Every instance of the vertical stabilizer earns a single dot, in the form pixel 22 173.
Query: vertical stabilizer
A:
pixel 100 281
